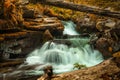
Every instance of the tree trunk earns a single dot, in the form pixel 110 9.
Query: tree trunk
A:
pixel 82 8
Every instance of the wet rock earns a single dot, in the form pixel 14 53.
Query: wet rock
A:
pixel 26 66
pixel 19 44
pixel 62 41
pixel 86 26
pixel 48 73
pixel 47 36
pixel 75 36
pixel 103 71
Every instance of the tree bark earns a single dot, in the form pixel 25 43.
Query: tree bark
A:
pixel 81 8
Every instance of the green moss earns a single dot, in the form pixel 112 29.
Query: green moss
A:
pixel 70 14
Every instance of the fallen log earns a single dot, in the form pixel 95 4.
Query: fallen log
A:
pixel 11 62
pixel 81 8
pixel 107 70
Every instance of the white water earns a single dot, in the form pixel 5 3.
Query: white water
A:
pixel 69 28
pixel 62 57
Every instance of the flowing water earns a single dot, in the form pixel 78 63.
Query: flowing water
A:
pixel 69 28
pixel 63 57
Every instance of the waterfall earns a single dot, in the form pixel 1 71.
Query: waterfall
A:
pixel 63 57
pixel 69 28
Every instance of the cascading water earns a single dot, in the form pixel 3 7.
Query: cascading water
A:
pixel 69 28
pixel 62 57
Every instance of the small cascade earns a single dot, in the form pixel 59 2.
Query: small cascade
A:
pixel 63 57
pixel 69 28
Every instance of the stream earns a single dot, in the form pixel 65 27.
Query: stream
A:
pixel 62 57
pixel 60 53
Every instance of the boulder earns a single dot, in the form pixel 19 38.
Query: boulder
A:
pixel 103 45
pixel 86 26
pixel 105 24
pixel 48 73
pixel 47 36
pixel 107 46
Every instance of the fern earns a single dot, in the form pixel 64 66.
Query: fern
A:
pixel 79 66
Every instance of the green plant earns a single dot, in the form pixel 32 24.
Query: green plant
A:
pixel 79 66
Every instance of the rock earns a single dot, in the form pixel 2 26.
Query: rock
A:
pixel 103 45
pixel 105 24
pixel 116 30
pixel 106 70
pixel 28 13
pixel 100 24
pixel 48 73
pixel 62 41
pixel 110 23
pixel 32 41
pixel 18 44
pixel 47 36
pixel 86 26
pixel 14 35
pixel 7 26
pixel 75 36
pixel 107 46
pixel 13 62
